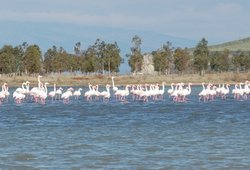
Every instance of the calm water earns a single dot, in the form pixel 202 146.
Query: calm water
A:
pixel 133 135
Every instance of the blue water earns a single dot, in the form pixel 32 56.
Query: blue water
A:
pixel 133 135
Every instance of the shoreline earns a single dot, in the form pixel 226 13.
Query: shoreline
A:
pixel 122 80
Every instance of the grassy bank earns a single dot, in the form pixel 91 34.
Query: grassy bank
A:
pixel 83 80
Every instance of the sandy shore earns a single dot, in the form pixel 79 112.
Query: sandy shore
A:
pixel 83 80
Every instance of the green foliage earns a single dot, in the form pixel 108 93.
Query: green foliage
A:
pixel 201 54
pixel 32 59
pixel 241 61
pixel 162 58
pixel 102 57
pixel 112 58
pixel 60 61
pixel 219 61
pixel 49 58
pixel 135 60
pixel 181 59
pixel 7 58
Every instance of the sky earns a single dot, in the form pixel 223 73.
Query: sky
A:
pixel 65 22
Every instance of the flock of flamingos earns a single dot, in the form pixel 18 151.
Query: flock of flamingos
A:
pixel 178 92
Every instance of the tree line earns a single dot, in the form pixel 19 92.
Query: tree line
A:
pixel 105 58
pixel 101 57
pixel 168 59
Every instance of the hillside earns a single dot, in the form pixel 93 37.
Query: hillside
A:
pixel 242 45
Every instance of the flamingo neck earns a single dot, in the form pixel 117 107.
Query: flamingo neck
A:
pixel 113 82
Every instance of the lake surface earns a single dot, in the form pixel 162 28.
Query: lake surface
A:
pixel 133 135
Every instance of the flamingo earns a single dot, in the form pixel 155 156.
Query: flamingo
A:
pixel 20 93
pixel 106 94
pixel 96 92
pixel 66 95
pixel 246 89
pixel 43 94
pixel 52 94
pixel 113 83
pixel 203 94
pixel 88 94
pixel 123 93
pixel 225 92
pixel 35 90
pixel 170 91
pixel 161 92
pixel 185 92
pixel 59 93
pixel 77 93
pixel 7 93
pixel 3 92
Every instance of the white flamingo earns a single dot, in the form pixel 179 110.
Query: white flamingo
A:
pixel 88 94
pixel 43 94
pixel 52 94
pixel 162 91
pixel 113 83
pixel 171 90
pixel 77 93
pixel 59 93
pixel 3 92
pixel 66 95
pixel 106 94
pixel 225 92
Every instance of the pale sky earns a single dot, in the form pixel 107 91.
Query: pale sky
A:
pixel 65 22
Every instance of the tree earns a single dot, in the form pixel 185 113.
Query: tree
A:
pixel 135 58
pixel 77 49
pixel 219 61
pixel 33 59
pixel 162 58
pixel 19 52
pixel 60 61
pixel 181 59
pixel 7 58
pixel 240 60
pixel 201 54
pixel 112 58
pixel 89 60
pixel 49 58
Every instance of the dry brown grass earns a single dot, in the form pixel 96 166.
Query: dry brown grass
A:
pixel 83 80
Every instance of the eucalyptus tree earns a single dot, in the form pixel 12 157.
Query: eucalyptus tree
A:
pixel 201 56
pixel 19 52
pixel 112 58
pixel 49 58
pixel 162 58
pixel 60 61
pixel 160 61
pixel 7 58
pixel 135 60
pixel 181 59
pixel 99 47
pixel 90 60
pixel 32 59
pixel 219 61
pixel 241 61
pixel 77 49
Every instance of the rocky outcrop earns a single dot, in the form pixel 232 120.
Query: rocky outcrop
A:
pixel 148 65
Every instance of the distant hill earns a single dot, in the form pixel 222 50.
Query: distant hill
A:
pixel 242 45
